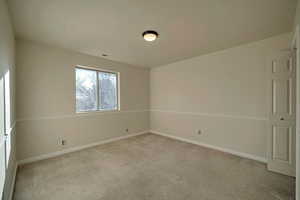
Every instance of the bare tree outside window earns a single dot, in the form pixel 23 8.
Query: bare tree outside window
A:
pixel 96 90
pixel 108 91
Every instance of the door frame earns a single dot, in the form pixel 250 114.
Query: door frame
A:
pixel 296 45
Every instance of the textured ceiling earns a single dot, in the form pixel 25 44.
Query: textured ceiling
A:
pixel 187 28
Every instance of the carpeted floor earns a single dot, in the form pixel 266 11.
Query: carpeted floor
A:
pixel 150 167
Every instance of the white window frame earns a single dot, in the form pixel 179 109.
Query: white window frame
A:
pixel 98 99
pixel 7 117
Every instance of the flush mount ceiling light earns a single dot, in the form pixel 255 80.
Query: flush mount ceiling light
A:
pixel 150 36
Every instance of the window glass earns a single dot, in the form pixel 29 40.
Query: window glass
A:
pixel 7 117
pixel 2 140
pixel 108 91
pixel 86 90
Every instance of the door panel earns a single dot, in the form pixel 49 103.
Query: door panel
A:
pixel 282 65
pixel 282 153
pixel 281 139
pixel 282 89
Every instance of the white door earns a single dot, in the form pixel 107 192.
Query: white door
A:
pixel 282 118
pixel 2 138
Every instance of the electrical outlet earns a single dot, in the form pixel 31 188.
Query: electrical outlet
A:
pixel 63 142
pixel 199 132
pixel 127 130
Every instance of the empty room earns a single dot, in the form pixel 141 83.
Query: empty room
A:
pixel 149 100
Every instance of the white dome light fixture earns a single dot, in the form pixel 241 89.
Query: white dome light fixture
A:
pixel 150 35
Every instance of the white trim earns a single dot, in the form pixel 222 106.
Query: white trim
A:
pixel 297 185
pixel 233 152
pixel 296 44
pixel 95 68
pixel 82 114
pixel 295 38
pixel 212 114
pixel 12 187
pixel 13 126
pixel 78 148
pixel 96 113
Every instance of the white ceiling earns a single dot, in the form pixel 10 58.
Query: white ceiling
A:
pixel 187 28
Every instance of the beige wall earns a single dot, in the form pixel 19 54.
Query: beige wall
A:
pixel 46 101
pixel 297 17
pixel 223 94
pixel 7 63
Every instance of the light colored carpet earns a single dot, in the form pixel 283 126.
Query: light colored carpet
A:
pixel 150 167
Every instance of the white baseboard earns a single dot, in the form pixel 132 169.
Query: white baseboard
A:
pixel 73 149
pixel 236 153
pixel 13 181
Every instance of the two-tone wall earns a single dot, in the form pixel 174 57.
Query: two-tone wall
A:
pixel 46 101
pixel 222 94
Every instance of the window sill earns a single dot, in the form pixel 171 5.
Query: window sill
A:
pixel 96 111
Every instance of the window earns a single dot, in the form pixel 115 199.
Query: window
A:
pixel 7 116
pixel 5 127
pixel 96 90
